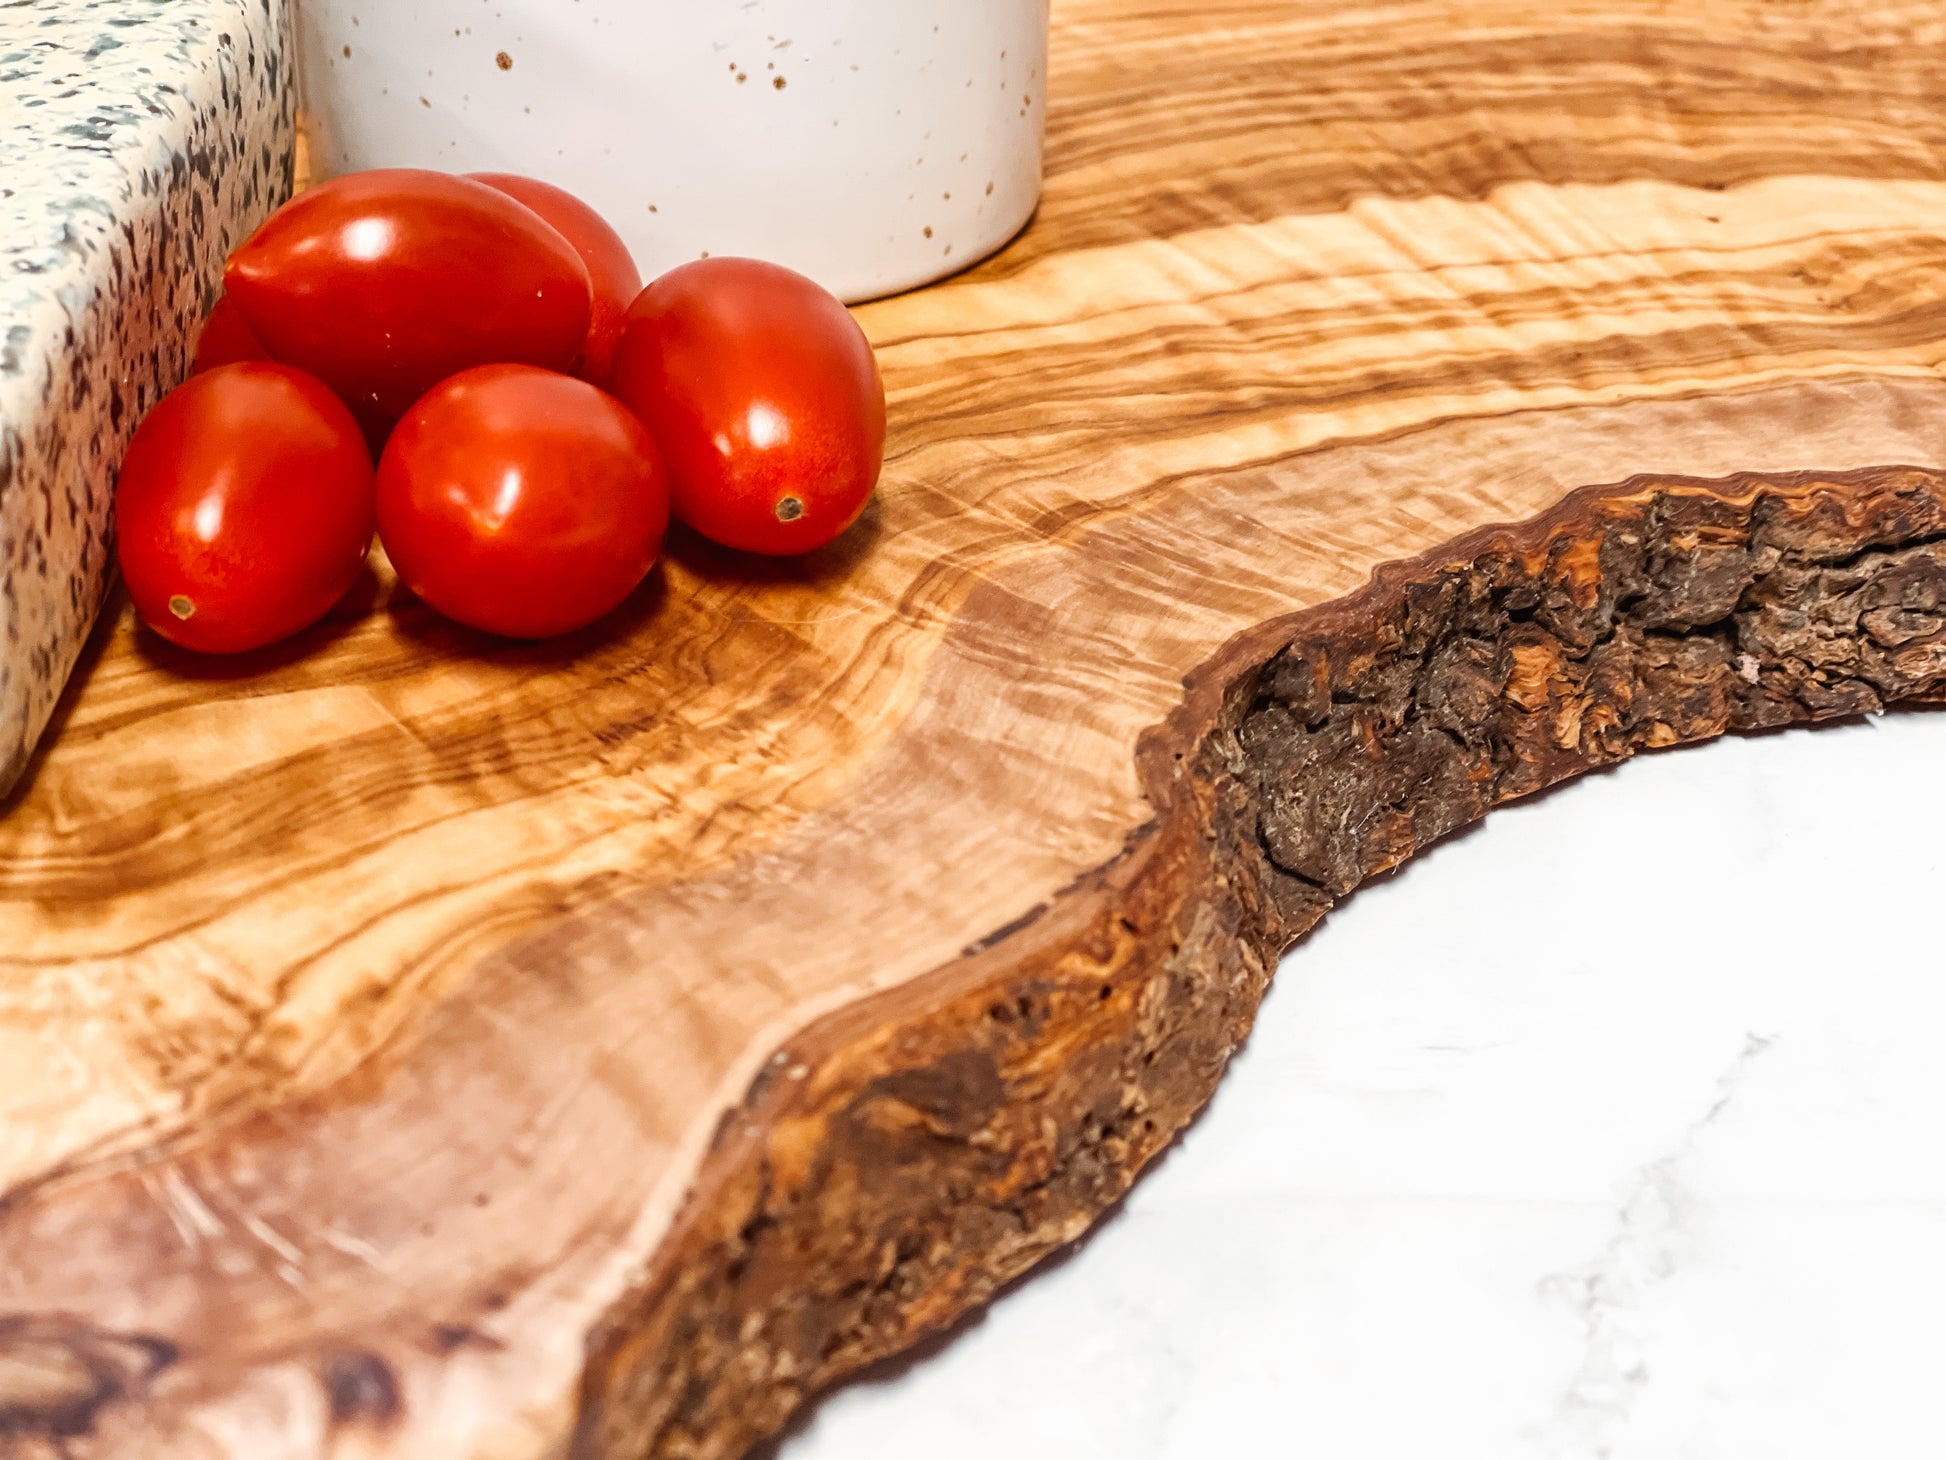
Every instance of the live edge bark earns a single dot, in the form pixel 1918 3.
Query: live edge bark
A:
pixel 905 1159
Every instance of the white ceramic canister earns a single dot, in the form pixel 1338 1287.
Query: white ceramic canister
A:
pixel 872 144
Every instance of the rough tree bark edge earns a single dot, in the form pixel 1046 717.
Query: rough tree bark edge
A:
pixel 902 1160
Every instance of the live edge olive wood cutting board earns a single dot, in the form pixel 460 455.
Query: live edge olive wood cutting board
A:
pixel 418 1047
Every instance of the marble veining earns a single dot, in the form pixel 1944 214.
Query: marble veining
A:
pixel 139 141
pixel 1652 1238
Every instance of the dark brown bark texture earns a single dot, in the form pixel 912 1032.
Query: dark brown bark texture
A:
pixel 905 1159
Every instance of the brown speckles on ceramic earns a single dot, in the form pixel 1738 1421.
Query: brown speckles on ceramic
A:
pixel 141 140
pixel 780 109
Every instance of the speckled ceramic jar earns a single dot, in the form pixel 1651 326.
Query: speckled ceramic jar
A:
pixel 873 144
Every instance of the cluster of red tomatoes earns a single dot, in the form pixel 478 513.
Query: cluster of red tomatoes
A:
pixel 535 415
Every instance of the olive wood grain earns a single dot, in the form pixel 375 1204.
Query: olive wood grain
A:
pixel 413 1045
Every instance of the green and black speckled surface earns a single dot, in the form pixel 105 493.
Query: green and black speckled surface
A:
pixel 139 140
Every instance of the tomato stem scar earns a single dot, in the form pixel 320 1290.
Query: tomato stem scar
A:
pixel 789 509
pixel 182 606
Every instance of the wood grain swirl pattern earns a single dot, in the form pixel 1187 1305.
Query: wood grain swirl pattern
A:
pixel 378 1016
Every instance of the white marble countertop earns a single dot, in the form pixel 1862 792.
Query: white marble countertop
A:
pixel 1608 1131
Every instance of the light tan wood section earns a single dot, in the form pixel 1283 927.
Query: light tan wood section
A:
pixel 369 1007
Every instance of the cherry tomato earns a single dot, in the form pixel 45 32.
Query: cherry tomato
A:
pixel 765 398
pixel 225 338
pixel 384 283
pixel 520 501
pixel 244 508
pixel 611 267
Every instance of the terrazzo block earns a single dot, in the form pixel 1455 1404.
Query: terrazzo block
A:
pixel 140 140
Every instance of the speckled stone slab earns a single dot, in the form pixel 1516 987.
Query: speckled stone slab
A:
pixel 140 140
